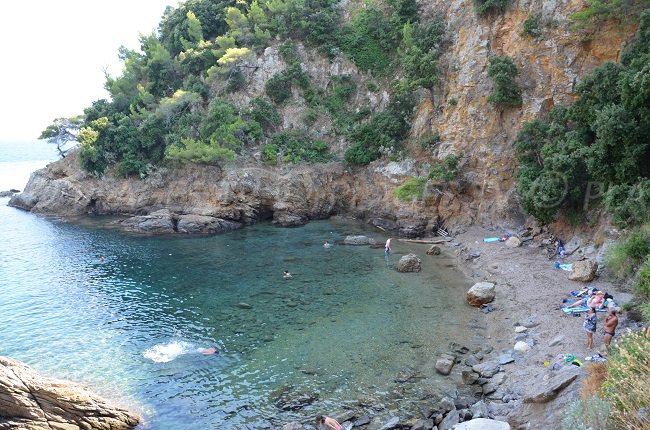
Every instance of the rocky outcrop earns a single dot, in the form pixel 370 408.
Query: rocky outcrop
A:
pixel 481 293
pixel 31 401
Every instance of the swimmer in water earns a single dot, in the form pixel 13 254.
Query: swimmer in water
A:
pixel 209 351
pixel 286 274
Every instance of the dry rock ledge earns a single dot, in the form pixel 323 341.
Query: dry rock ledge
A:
pixel 31 401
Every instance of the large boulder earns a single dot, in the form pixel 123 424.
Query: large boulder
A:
pixel 31 401
pixel 481 293
pixel 513 242
pixel 192 224
pixel 548 391
pixel 158 222
pixel 409 263
pixel 583 271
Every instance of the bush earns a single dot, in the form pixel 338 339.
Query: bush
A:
pixel 642 284
pixel 412 189
pixel 264 113
pixel 628 255
pixel 297 146
pixel 278 88
pixel 626 384
pixel 506 93
pixel 367 40
pixel 485 7
pixel 446 170
pixel 196 151
pixel 531 26
pixel 430 140
pixel 588 414
pixel 270 153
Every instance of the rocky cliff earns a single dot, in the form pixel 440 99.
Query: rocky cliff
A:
pixel 30 401
pixel 549 67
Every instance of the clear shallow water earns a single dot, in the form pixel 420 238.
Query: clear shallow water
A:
pixel 130 326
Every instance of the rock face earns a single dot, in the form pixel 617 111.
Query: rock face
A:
pixel 481 293
pixel 409 263
pixel 583 271
pixel 30 401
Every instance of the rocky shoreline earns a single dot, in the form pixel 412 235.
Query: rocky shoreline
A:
pixel 31 401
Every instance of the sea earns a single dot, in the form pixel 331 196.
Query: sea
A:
pixel 128 315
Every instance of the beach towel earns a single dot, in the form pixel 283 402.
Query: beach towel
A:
pixel 491 239
pixel 579 310
pixel 567 267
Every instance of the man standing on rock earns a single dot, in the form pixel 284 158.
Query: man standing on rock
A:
pixel 611 322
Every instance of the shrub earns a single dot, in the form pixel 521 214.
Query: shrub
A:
pixel 485 7
pixel 531 26
pixel 447 170
pixel 628 255
pixel 367 40
pixel 297 146
pixel 506 93
pixel 430 140
pixel 372 86
pixel 278 88
pixel 642 284
pixel 264 113
pixel 236 81
pixel 629 204
pixel 196 151
pixel 412 189
pixel 270 153
pixel 591 413
pixel 626 385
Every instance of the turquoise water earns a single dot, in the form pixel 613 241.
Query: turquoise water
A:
pixel 130 325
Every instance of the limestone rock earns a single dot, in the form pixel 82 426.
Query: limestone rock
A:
pixel 521 347
pixel 31 401
pixel 487 369
pixel 293 426
pixel 158 222
pixel 482 424
pixel 551 390
pixel 481 293
pixel 192 224
pixel 479 410
pixel 583 271
pixel 444 364
pixel 520 329
pixel 356 240
pixel 409 263
pixel 433 250
pixel 283 219
pixel 450 420
pixel 513 242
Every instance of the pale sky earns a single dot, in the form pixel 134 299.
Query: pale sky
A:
pixel 54 53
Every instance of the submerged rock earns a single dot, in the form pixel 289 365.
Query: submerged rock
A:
pixel 31 401
pixel 357 240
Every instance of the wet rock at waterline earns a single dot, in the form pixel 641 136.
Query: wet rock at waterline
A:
pixel 481 293
pixel 31 401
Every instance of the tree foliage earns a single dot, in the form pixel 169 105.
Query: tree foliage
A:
pixel 506 92
pixel 598 145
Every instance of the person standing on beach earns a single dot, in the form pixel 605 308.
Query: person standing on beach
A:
pixel 611 322
pixel 589 325
pixel 387 248
pixel 327 423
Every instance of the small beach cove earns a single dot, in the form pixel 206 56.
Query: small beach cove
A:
pixel 342 330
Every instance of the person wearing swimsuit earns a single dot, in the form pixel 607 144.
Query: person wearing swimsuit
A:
pixel 611 322
pixel 589 326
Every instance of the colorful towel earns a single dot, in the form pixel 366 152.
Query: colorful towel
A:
pixel 567 267
pixel 580 309
pixel 491 239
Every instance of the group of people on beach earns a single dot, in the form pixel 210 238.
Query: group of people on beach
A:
pixel 596 300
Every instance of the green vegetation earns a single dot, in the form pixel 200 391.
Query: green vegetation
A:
pixel 447 170
pixel 487 7
pixel 596 150
pixel 625 386
pixel 412 189
pixel 430 140
pixel 506 93
pixel 294 147
pixel 620 10
pixel 531 26
pixel 171 103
